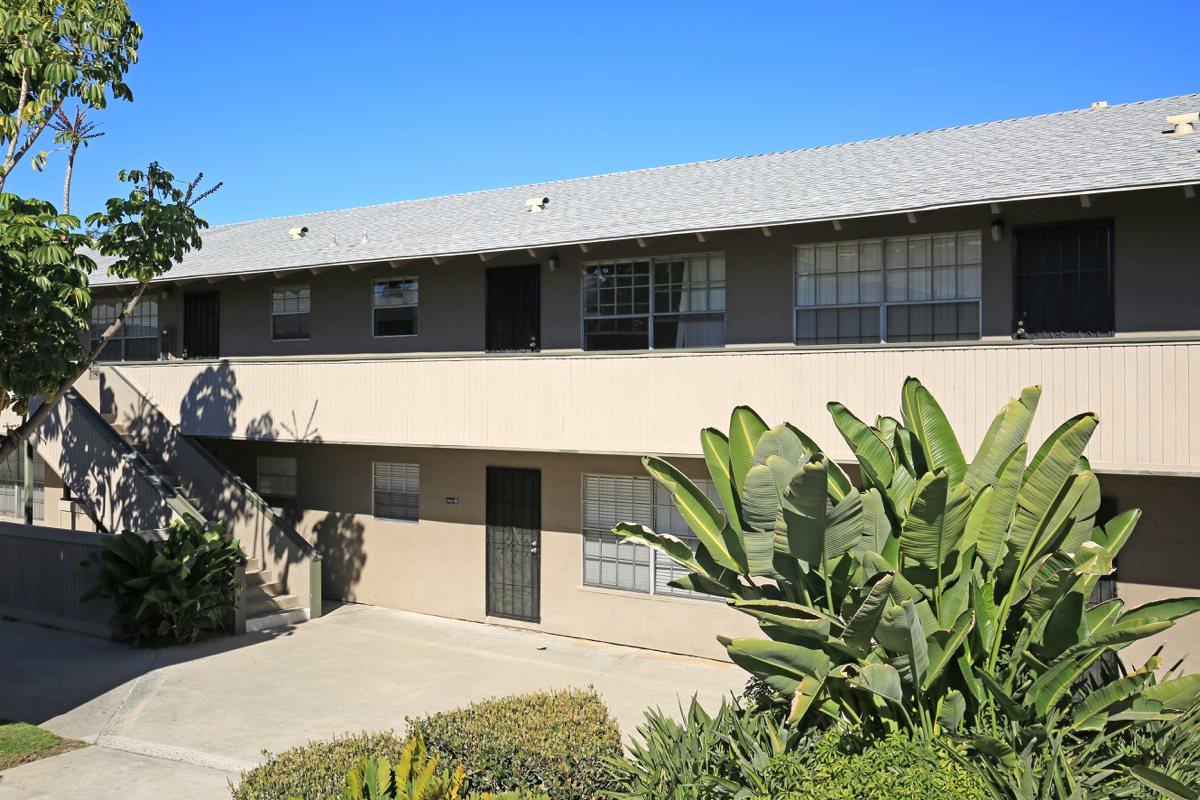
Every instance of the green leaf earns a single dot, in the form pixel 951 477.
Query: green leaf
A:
pixel 797 619
pixel 1117 531
pixel 1108 695
pixel 880 679
pixel 1160 611
pixel 1007 431
pixel 800 526
pixel 745 429
pixel 781 665
pixel 900 632
pixel 876 526
pixel 760 508
pixel 700 514
pixel 1178 694
pixel 844 527
pixel 951 710
pixel 941 653
pixel 1011 708
pixel 1041 492
pixel 665 543
pixel 782 441
pixel 1117 636
pixel 925 418
pixel 860 629
pixel 1162 783
pixel 995 748
pixel 1050 687
pixel 994 509
pixel 866 444
pixel 716 456
pixel 936 520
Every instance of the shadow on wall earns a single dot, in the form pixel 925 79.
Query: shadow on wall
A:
pixel 210 406
pixel 340 539
pixel 92 465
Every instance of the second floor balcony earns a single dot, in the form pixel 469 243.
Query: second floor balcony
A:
pixel 1146 392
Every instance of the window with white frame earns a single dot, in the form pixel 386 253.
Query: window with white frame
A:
pixel 611 563
pixel 898 289
pixel 277 478
pixel 397 491
pixel 394 307
pixel 654 303
pixel 12 485
pixel 137 340
pixel 290 307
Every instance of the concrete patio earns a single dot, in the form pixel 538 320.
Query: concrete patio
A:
pixel 183 721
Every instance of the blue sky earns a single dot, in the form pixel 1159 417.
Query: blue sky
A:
pixel 303 106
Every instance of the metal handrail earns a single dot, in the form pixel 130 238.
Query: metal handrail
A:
pixel 177 502
pixel 305 546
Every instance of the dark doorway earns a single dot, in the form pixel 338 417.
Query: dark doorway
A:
pixel 1063 280
pixel 202 324
pixel 514 533
pixel 514 309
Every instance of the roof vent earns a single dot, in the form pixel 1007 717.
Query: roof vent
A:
pixel 297 233
pixel 536 205
pixel 1100 104
pixel 1183 124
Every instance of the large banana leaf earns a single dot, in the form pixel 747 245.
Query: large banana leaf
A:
pixel 936 520
pixel 1007 431
pixel 861 626
pixel 900 631
pixel 1160 611
pixel 867 445
pixel 780 664
pixel 994 508
pixel 800 526
pixel 700 514
pixel 716 456
pixel 1177 694
pixel 745 429
pixel 925 418
pixel 943 648
pixel 880 679
pixel 760 507
pixel 1163 783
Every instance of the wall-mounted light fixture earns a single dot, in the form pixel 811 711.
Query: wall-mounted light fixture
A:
pixel 997 230
pixel 553 262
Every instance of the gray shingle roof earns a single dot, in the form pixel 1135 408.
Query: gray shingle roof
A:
pixel 1080 151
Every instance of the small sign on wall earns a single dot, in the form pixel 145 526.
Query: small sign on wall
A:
pixel 451 501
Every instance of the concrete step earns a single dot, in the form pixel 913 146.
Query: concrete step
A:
pixel 266 604
pixel 259 577
pixel 253 564
pixel 278 620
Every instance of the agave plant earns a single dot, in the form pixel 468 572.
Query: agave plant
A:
pixel 938 595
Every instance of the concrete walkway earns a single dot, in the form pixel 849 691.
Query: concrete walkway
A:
pixel 182 721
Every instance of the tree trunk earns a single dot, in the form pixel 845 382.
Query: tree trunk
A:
pixel 66 209
pixel 22 432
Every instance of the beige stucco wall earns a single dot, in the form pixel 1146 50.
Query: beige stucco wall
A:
pixel 437 565
pixel 1156 233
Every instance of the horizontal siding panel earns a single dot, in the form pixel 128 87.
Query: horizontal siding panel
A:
pixel 1146 395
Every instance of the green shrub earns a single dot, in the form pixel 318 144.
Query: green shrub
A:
pixel 556 742
pixel 175 592
pixel 317 770
pixel 842 766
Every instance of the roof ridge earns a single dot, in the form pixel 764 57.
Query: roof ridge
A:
pixel 687 164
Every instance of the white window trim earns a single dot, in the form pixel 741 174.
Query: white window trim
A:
pixel 417 306
pixel 652 591
pixel 393 520
pixel 651 314
pixel 271 308
pixel 883 300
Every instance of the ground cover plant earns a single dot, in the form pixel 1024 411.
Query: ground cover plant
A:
pixel 938 597
pixel 21 743
pixel 170 592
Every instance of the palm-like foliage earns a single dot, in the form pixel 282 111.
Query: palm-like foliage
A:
pixel 939 594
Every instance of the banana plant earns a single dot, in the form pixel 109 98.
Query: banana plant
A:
pixel 935 593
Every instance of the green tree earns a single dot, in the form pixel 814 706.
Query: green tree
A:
pixel 53 51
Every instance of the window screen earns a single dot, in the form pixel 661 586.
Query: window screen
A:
pixel 654 303
pixel 137 340
pixel 290 306
pixel 607 560
pixel 277 477
pixel 397 489
pixel 12 485
pixel 901 289
pixel 395 307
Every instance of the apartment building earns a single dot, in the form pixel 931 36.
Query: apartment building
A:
pixel 448 397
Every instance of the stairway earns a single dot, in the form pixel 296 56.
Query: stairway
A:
pixel 264 599
pixel 265 604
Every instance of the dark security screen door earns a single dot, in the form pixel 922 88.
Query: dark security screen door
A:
pixel 201 324
pixel 514 309
pixel 514 533
pixel 1063 280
